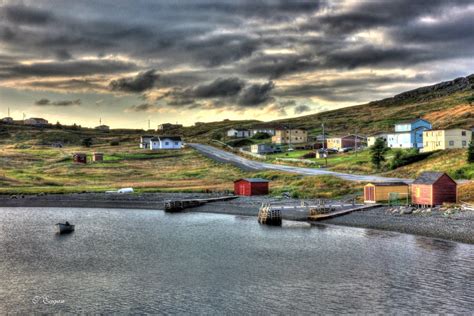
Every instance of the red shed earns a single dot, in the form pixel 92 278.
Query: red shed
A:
pixel 80 158
pixel 251 186
pixel 433 188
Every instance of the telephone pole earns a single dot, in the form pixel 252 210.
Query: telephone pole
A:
pixel 324 147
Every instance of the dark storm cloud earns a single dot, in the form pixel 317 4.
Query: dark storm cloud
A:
pixel 144 107
pixel 47 102
pixel 25 15
pixel 256 94
pixel 277 66
pixel 140 83
pixel 221 87
pixel 209 53
pixel 67 68
pixel 299 109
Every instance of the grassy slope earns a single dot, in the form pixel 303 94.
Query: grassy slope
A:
pixel 45 169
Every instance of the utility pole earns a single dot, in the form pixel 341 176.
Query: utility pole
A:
pixel 148 124
pixel 356 138
pixel 324 147
pixel 8 112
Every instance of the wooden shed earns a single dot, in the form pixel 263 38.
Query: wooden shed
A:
pixel 80 158
pixel 251 186
pixel 97 157
pixel 380 191
pixel 433 188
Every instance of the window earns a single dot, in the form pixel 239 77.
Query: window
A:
pixel 463 133
pixel 451 143
pixel 464 143
pixel 167 143
pixel 176 143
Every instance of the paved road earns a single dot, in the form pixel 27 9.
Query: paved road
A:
pixel 252 165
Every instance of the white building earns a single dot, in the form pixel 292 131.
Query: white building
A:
pixel 408 134
pixel 266 130
pixel 238 132
pixel 371 139
pixel 166 142
pixel 264 148
pixel 145 141
pixel 36 121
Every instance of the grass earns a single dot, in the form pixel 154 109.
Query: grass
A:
pixel 41 169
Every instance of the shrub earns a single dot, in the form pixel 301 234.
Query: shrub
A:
pixel 309 155
pixel 261 136
pixel 87 142
pixel 403 158
pixel 114 143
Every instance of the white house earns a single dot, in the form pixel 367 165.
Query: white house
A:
pixel 7 120
pixel 264 148
pixel 371 139
pixel 408 134
pixel 166 142
pixel 267 130
pixel 36 121
pixel 145 141
pixel 238 132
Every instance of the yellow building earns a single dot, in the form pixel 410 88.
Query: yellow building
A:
pixel 381 191
pixel 446 139
pixel 290 136
pixel 348 141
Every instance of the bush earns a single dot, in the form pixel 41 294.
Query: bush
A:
pixel 261 136
pixel 240 142
pixel 403 158
pixel 114 143
pixel 87 142
pixel 309 155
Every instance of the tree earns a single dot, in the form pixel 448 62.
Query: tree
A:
pixel 470 152
pixel 377 152
pixel 87 142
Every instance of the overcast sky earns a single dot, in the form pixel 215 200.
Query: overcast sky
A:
pixel 200 60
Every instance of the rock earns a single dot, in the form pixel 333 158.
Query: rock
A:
pixel 408 210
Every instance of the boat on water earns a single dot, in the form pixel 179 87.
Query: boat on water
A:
pixel 64 228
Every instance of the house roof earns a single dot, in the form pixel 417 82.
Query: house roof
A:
pixel 253 180
pixel 239 129
pixel 37 118
pixel 147 136
pixel 429 177
pixel 348 136
pixel 388 184
pixel 173 138
pixel 411 121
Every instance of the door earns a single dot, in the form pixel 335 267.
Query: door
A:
pixel 370 194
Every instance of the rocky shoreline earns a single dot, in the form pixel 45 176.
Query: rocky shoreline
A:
pixel 455 226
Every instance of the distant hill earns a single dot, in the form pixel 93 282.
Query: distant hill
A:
pixel 446 105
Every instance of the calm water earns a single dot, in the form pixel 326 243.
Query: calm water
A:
pixel 133 261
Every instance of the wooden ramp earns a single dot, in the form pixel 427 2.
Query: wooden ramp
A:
pixel 179 205
pixel 320 217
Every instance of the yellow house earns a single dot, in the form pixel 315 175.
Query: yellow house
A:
pixel 348 141
pixel 290 136
pixel 446 139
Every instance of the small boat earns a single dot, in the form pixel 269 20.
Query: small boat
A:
pixel 64 228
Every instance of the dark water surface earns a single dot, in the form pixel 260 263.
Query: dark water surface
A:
pixel 142 261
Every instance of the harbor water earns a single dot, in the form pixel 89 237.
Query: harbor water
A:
pixel 144 261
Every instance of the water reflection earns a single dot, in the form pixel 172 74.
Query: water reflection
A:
pixel 138 262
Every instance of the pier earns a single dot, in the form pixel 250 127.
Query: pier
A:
pixel 180 205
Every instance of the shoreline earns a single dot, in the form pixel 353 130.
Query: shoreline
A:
pixel 458 227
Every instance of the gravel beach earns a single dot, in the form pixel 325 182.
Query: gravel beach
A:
pixel 457 227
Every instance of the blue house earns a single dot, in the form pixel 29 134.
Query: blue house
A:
pixel 408 134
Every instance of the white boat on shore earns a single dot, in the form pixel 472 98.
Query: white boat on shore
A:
pixel 64 228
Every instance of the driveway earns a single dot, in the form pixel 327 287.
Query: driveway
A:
pixel 252 165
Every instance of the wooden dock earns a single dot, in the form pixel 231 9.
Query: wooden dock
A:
pixel 180 205
pixel 320 217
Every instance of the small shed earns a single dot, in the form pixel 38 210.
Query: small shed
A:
pixel 251 186
pixel 433 188
pixel 80 158
pixel 96 157
pixel 380 191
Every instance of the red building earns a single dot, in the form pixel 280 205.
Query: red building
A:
pixel 251 186
pixel 433 188
pixel 80 158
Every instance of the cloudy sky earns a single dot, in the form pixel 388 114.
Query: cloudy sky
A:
pixel 128 62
